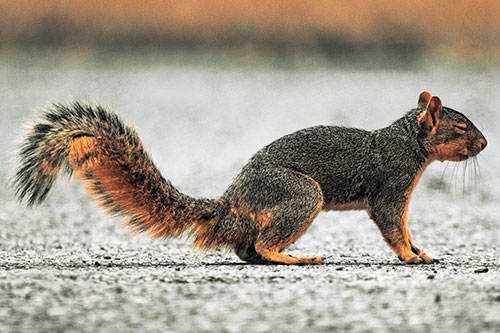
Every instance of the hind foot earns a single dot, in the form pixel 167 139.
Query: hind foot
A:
pixel 281 258
pixel 251 256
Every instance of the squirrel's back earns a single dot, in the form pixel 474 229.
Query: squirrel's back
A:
pixel 335 157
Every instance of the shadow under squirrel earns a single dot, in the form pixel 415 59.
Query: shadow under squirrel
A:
pixel 276 195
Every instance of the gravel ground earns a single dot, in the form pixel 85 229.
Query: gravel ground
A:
pixel 67 267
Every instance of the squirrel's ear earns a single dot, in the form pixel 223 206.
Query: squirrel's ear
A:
pixel 429 119
pixel 423 99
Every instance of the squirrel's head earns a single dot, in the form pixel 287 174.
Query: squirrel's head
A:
pixel 448 135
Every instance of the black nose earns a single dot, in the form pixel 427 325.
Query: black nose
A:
pixel 483 143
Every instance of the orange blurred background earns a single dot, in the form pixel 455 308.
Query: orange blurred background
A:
pixel 461 29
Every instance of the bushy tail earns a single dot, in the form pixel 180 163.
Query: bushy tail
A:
pixel 96 146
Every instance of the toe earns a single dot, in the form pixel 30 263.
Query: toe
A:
pixel 414 260
pixel 317 260
pixel 426 258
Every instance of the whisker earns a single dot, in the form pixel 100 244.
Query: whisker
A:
pixel 464 177
pixel 470 175
pixel 447 188
pixel 454 174
pixel 476 173
pixel 478 166
pixel 472 169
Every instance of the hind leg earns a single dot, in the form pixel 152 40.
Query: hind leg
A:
pixel 251 256
pixel 274 239
pixel 248 254
pixel 273 256
pixel 293 214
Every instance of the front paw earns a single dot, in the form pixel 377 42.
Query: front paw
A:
pixel 426 259
pixel 422 258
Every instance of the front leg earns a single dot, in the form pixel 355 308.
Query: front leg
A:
pixel 390 218
pixel 395 238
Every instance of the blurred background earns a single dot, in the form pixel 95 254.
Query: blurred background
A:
pixel 461 30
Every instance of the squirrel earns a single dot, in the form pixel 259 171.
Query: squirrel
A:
pixel 276 195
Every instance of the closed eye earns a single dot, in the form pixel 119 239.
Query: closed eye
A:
pixel 460 127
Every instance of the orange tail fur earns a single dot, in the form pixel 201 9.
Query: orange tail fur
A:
pixel 96 146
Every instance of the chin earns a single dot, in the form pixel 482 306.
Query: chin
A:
pixel 458 158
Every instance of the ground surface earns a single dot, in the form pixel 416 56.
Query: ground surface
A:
pixel 65 266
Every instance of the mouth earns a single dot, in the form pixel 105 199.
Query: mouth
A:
pixel 473 152
pixel 464 156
